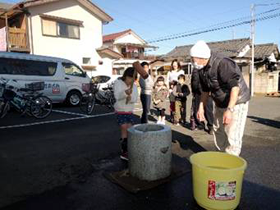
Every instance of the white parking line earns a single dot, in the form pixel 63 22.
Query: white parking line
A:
pixel 80 117
pixel 84 115
pixel 56 121
pixel 71 113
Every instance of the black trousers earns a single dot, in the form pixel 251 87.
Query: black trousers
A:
pixel 208 111
pixel 146 105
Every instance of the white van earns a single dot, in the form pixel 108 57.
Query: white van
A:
pixel 63 78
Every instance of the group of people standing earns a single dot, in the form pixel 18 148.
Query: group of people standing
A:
pixel 175 89
pixel 157 94
pixel 216 81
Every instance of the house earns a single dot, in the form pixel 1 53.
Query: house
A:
pixel 266 55
pixel 131 46
pixel 234 49
pixel 267 77
pixel 108 57
pixel 69 29
pixel 230 48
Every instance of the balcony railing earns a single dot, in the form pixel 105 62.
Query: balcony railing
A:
pixel 139 56
pixel 134 56
pixel 18 40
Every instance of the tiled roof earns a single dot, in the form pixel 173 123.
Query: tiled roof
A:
pixel 86 3
pixel 112 37
pixel 109 52
pixel 264 50
pixel 229 48
pixel 5 6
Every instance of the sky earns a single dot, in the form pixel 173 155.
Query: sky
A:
pixel 151 19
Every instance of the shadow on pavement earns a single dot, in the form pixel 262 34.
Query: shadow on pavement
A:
pixel 99 193
pixel 267 122
pixel 186 142
pixel 85 187
pixel 258 197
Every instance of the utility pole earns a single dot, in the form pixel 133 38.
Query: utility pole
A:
pixel 252 71
pixel 7 33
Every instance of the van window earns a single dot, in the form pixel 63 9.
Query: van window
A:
pixel 27 67
pixel 73 70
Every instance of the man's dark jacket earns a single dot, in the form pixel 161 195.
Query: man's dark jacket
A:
pixel 195 82
pixel 219 76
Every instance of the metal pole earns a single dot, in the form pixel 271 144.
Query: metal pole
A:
pixel 7 33
pixel 252 48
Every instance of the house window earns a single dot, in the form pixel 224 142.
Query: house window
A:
pixel 49 27
pixel 68 31
pixel 87 61
pixel 60 29
pixel 123 51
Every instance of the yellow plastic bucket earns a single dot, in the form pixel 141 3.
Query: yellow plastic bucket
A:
pixel 217 179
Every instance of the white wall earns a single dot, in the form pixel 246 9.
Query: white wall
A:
pixel 106 68
pixel 108 44
pixel 118 49
pixel 267 82
pixel 72 49
pixel 130 38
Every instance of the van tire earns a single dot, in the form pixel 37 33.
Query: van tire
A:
pixel 73 98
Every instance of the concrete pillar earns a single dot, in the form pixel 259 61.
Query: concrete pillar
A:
pixel 149 151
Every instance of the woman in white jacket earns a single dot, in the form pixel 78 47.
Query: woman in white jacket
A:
pixel 126 96
pixel 172 79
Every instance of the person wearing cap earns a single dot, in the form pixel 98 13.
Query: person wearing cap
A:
pixel 221 78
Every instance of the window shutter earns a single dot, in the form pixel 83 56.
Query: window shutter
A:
pixel 49 27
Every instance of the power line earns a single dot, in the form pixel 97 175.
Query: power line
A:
pixel 147 22
pixel 202 28
pixel 218 28
pixel 211 26
pixel 182 33
pixel 272 4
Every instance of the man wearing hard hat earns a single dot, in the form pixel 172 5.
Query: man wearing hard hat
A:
pixel 221 77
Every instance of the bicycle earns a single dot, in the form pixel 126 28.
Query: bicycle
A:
pixel 25 100
pixel 94 96
pixel 87 102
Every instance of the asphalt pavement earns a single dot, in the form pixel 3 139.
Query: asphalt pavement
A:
pixel 60 162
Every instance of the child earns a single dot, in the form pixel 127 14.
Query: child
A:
pixel 172 101
pixel 126 95
pixel 160 95
pixel 180 91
